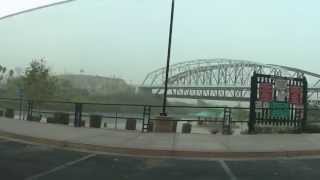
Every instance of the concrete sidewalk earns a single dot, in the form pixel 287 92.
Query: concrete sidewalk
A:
pixel 163 144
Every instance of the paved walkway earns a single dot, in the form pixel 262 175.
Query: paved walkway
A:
pixel 165 144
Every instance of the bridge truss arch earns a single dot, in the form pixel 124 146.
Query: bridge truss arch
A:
pixel 220 79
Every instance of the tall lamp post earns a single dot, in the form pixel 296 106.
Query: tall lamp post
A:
pixel 164 105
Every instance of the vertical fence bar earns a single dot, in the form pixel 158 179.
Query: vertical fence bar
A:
pixel 305 103
pixel 253 98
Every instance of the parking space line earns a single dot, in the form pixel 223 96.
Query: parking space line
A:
pixel 58 168
pixel 227 170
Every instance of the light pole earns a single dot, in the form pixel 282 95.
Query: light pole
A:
pixel 164 105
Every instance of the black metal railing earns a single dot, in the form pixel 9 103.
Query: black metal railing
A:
pixel 204 119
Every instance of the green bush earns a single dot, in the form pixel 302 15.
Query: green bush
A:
pixel 9 113
pixel 95 121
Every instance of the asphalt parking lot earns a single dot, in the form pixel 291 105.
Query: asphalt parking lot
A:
pixel 25 161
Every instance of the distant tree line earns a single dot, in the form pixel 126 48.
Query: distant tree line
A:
pixel 38 83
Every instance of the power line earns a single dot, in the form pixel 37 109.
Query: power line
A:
pixel 35 9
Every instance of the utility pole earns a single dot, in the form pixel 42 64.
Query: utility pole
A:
pixel 164 106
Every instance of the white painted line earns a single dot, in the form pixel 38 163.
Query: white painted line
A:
pixel 68 164
pixel 227 170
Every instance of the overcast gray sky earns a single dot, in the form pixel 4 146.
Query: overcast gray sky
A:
pixel 128 38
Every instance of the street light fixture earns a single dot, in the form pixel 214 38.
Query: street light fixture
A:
pixel 164 106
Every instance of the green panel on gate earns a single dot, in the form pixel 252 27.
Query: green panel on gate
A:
pixel 280 110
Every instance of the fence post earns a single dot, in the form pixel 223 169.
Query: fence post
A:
pixel 305 103
pixel 253 98
pixel 78 115
pixel 227 121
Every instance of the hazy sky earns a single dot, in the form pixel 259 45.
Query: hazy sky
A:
pixel 128 38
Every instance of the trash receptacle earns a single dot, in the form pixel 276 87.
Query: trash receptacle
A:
pixel 9 113
pixel 131 124
pixel 95 121
pixel 186 128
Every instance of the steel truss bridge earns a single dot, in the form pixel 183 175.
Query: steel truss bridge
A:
pixel 220 79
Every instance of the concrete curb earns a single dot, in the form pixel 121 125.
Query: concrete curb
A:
pixel 160 153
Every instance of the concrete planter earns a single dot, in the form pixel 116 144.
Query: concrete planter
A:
pixel 34 118
pixel 131 124
pixel 186 128
pixel 95 121
pixel 83 123
pixel 9 113
pixel 59 118
pixel 164 124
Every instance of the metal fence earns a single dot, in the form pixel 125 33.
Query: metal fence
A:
pixel 204 119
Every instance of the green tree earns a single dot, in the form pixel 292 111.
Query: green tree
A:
pixel 38 83
pixel 5 76
pixel 2 73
